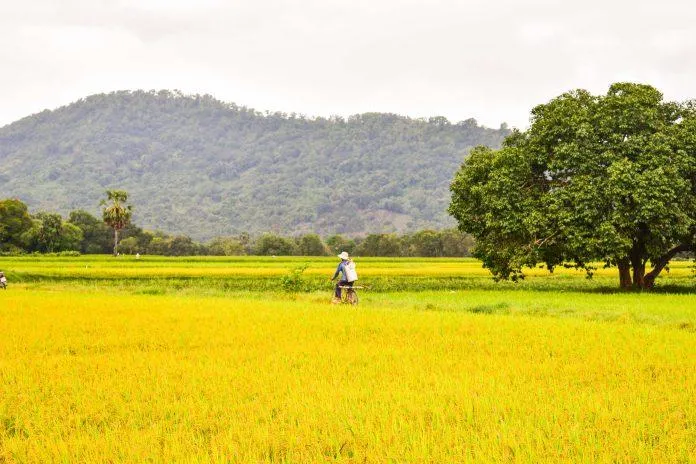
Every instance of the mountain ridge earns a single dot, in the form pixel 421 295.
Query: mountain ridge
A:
pixel 196 165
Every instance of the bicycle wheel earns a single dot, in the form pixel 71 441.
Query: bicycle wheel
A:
pixel 352 296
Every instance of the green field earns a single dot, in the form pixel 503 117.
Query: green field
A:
pixel 209 359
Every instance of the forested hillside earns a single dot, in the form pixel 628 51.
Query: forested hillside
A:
pixel 199 166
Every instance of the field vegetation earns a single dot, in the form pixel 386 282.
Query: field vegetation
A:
pixel 211 360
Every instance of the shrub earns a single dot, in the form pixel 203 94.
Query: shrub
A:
pixel 294 281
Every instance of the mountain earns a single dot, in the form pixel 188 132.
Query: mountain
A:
pixel 199 166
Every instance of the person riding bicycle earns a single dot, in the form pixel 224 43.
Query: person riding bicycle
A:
pixel 348 275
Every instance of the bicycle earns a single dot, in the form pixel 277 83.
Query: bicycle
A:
pixel 350 296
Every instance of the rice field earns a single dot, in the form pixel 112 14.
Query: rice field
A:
pixel 157 266
pixel 209 360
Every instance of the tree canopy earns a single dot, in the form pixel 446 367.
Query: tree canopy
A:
pixel 49 233
pixel 14 222
pixel 608 178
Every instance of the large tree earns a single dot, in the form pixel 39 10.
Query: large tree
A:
pixel 608 178
pixel 14 222
pixel 116 213
pixel 311 245
pixel 49 234
pixel 272 244
pixel 96 234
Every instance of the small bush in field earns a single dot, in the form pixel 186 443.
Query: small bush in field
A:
pixel 294 281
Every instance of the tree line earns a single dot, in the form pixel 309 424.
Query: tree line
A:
pixel 81 232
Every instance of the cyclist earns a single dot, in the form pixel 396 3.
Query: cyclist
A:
pixel 348 275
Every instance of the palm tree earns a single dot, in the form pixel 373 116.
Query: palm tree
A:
pixel 116 214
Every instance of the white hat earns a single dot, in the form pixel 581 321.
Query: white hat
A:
pixel 343 255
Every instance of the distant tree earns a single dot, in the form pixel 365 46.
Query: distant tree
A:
pixel 426 243
pixel 608 178
pixel 96 234
pixel 45 234
pixel 311 245
pixel 338 243
pixel 470 123
pixel 145 239
pixel 14 222
pixel 70 238
pixel 142 237
pixel 182 245
pixel 246 242
pixel 50 234
pixel 129 245
pixel 381 245
pixel 274 245
pixel 158 245
pixel 391 245
pixel 116 213
pixel 456 243
pixel 226 246
pixel 439 121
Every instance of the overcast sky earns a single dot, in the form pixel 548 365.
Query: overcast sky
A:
pixel 488 60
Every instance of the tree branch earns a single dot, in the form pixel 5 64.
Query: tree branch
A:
pixel 662 261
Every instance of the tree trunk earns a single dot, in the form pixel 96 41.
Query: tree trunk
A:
pixel 640 279
pixel 624 273
pixel 661 262
pixel 115 242
pixel 638 266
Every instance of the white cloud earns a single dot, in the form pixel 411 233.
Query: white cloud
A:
pixel 460 59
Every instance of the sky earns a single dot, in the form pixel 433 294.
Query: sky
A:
pixel 488 60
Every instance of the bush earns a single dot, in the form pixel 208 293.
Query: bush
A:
pixel 11 250
pixel 294 281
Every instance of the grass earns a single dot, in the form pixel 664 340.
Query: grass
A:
pixel 107 368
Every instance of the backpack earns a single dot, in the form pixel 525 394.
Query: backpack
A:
pixel 351 273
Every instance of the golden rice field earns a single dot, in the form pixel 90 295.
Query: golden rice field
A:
pixel 132 367
pixel 130 267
